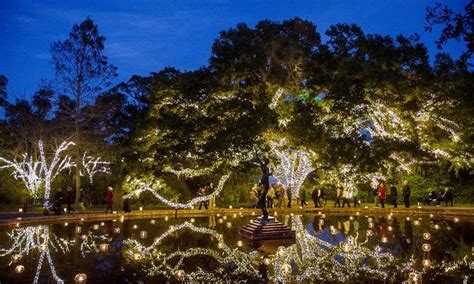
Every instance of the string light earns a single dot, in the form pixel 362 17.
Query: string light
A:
pixel 94 165
pixel 293 166
pixel 142 186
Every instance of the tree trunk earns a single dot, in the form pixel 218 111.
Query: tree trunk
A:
pixel 77 136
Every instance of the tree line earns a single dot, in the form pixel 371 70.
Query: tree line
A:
pixel 363 107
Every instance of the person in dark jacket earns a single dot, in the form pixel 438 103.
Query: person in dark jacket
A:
pixel 446 196
pixel 303 197
pixel 393 195
pixel 109 199
pixel 338 196
pixel 406 194
pixel 315 197
pixel 70 196
pixel 82 197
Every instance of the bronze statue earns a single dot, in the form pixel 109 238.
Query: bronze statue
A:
pixel 265 181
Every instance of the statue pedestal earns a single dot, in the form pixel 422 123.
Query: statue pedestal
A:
pixel 271 229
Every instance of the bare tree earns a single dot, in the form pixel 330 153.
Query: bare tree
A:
pixel 82 70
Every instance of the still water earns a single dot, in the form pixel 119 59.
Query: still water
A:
pixel 328 248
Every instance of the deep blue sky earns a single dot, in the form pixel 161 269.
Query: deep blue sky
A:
pixel 147 35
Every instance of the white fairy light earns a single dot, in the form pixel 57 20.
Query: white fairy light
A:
pixel 293 166
pixel 141 186
pixel 58 164
pixel 28 170
pixel 37 238
pixel 94 165
pixel 276 98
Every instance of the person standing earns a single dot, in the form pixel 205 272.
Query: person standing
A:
pixel 303 197
pixel 212 199
pixel 375 192
pixel 345 197
pixel 338 196
pixel 355 194
pixel 82 198
pixel 382 194
pixel 270 195
pixel 202 192
pixel 393 195
pixel 314 197
pixel 281 196
pixel 406 194
pixel 109 199
pixel 70 199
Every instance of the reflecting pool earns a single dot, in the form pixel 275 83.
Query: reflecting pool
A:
pixel 336 248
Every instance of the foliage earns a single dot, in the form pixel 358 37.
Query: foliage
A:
pixel 364 107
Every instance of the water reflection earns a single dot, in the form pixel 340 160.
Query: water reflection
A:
pixel 335 248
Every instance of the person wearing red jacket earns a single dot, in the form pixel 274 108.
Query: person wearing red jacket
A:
pixel 109 199
pixel 382 194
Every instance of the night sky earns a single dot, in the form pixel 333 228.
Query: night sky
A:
pixel 145 36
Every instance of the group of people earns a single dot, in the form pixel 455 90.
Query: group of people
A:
pixel 275 196
pixel 380 194
pixel 68 197
pixel 436 198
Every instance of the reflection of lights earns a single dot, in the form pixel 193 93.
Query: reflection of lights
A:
pixel 104 247
pixel 95 227
pixel 456 220
pixel 286 269
pixel 84 237
pixel 426 262
pixel 141 208
pixel 267 261
pixel 192 220
pixel 436 226
pixel 179 274
pixel 220 245
pixel 408 218
pixel 351 218
pixel 80 278
pixel 229 225
pixel 102 224
pixel 426 236
pixel 19 269
pixel 143 234
pixel 408 240
pixel 240 243
pixel 389 228
pixel 416 223
pixel 431 215
pixel 370 233
pixel 135 226
pixel 384 239
pixel 152 221
pixel 78 229
pixel 333 230
pixel 371 225
pixel 166 218
pixel 117 230
pixel 426 247
pixel 220 221
pixel 20 210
